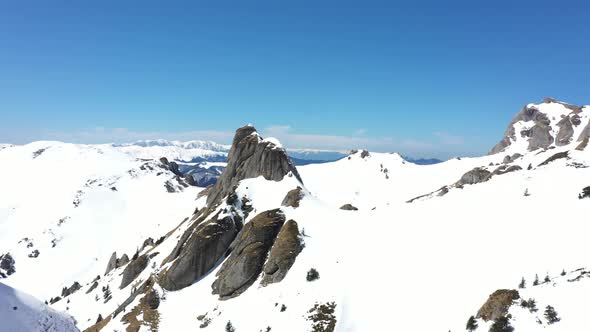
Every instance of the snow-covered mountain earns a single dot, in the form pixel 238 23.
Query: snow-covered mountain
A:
pixel 369 242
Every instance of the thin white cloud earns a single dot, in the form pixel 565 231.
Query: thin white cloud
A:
pixel 360 131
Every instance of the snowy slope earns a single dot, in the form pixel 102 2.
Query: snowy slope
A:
pixel 20 312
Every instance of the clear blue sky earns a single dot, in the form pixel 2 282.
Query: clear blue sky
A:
pixel 425 78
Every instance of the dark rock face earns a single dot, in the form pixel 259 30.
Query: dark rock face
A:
pixel 293 197
pixel 65 292
pixel 198 251
pixel 582 144
pixel 585 193
pixel 133 269
pixel 565 133
pixel 249 252
pixel 250 157
pixel 540 136
pixel 152 299
pixel 554 157
pixel 508 159
pixel 123 260
pixel 364 154
pixel 6 265
pixel 498 304
pixel 476 175
pixel 348 207
pixel 148 242
pixel 112 264
pixel 190 180
pixel 283 253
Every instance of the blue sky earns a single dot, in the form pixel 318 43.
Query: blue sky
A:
pixel 423 78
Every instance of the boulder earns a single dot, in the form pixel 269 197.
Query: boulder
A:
pixel 248 253
pixel 293 197
pixel 476 175
pixel 348 207
pixel 250 157
pixel 283 253
pixel 199 251
pixel 498 304
pixel 505 169
pixel 133 269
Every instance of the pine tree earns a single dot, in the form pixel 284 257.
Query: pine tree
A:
pixel 562 273
pixel 229 327
pixel 547 279
pixel 107 294
pixel 522 283
pixel 502 324
pixel 551 315
pixel 536 282
pixel 471 324
pixel 526 192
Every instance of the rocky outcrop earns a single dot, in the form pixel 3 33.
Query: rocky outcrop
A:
pixel 6 265
pixel 293 197
pixel 190 180
pixel 249 251
pixel 505 169
pixel 565 133
pixel 250 157
pixel 498 304
pixel 582 144
pixel 198 251
pixel 123 260
pixel 283 253
pixel 508 159
pixel 112 264
pixel 67 291
pixel 585 134
pixel 171 166
pixel 348 207
pixel 585 193
pixel 476 175
pixel 554 157
pixel 133 269
pixel 540 136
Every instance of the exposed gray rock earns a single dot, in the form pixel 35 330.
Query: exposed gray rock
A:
pixel 152 299
pixel 123 260
pixel 348 207
pixel 283 253
pixel 133 269
pixel 364 154
pixel 585 134
pixel 250 157
pixel 67 291
pixel 148 242
pixel 199 251
pixel 190 180
pixel 112 264
pixel 582 144
pixel 293 197
pixel 249 251
pixel 565 133
pixel 476 175
pixel 505 169
pixel 6 265
pixel 540 136
pixel 498 304
pixel 554 157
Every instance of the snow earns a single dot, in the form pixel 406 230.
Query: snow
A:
pixel 422 266
pixel 273 141
pixel 20 312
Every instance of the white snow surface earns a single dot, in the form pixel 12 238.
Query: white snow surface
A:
pixel 20 312
pixel 391 265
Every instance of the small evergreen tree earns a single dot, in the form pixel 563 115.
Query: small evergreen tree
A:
pixel 313 274
pixel 563 273
pixel 522 283
pixel 536 282
pixel 501 324
pixel 471 324
pixel 551 315
pixel 526 192
pixel 547 279
pixel 229 327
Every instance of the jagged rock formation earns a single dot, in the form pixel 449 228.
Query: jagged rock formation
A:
pixel 554 157
pixel 67 291
pixel 506 169
pixel 283 253
pixel 198 251
pixel 133 269
pixel 508 159
pixel 249 252
pixel 115 262
pixel 293 197
pixel 250 157
pixel 566 131
pixel 498 304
